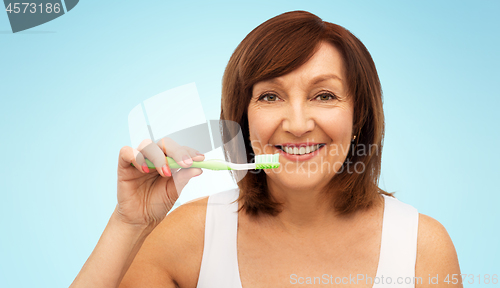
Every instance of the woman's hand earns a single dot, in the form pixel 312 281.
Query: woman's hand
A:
pixel 146 195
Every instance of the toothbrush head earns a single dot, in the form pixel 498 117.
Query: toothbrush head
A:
pixel 267 161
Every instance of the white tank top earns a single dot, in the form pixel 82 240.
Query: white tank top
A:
pixel 219 265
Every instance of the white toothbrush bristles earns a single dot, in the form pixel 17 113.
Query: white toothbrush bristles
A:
pixel 267 161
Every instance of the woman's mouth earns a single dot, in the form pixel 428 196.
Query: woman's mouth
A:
pixel 299 152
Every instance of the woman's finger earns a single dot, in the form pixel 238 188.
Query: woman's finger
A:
pixel 182 177
pixel 195 154
pixel 130 155
pixel 154 154
pixel 179 153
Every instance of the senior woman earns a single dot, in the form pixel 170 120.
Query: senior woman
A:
pixel 309 90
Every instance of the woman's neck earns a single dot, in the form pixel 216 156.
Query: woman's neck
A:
pixel 304 209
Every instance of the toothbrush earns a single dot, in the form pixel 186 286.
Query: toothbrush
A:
pixel 265 161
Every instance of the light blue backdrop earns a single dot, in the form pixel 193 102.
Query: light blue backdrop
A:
pixel 67 88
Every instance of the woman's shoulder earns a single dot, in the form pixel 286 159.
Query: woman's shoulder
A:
pixel 179 238
pixel 188 220
pixel 436 253
pixel 174 248
pixel 184 229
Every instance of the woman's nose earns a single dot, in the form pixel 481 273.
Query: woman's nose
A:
pixel 297 120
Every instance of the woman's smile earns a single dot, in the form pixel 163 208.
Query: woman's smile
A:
pixel 299 151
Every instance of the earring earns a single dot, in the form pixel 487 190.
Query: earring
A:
pixel 353 138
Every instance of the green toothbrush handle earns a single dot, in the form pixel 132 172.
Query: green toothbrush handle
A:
pixel 209 164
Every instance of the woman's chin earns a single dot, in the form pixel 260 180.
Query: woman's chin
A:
pixel 299 180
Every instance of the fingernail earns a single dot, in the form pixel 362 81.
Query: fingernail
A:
pixel 198 153
pixel 187 160
pixel 145 167
pixel 198 174
pixel 166 170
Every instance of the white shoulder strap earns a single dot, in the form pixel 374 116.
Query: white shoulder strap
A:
pixel 398 251
pixel 219 265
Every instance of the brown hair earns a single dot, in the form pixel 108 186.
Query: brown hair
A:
pixel 279 46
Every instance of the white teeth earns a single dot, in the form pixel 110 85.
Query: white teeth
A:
pixel 300 151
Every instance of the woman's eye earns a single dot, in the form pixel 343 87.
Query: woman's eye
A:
pixel 269 97
pixel 326 97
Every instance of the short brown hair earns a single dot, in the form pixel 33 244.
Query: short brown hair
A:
pixel 279 46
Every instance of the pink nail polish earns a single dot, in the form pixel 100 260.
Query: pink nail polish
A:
pixel 166 170
pixel 145 168
pixel 187 160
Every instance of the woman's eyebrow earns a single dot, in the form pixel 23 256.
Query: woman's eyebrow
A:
pixel 314 81
pixel 324 77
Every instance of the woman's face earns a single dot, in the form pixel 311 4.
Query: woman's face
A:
pixel 307 117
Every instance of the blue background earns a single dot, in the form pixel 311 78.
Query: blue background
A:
pixel 67 87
